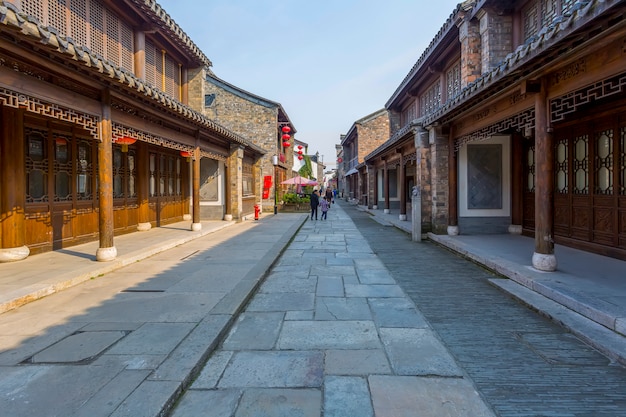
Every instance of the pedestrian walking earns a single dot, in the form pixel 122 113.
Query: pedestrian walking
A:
pixel 334 195
pixel 315 202
pixel 329 194
pixel 324 206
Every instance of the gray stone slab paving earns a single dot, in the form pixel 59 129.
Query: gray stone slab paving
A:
pixel 305 335
pixel 78 347
pixel 335 308
pixel 374 276
pixel 212 371
pixel 153 339
pixel 417 352
pixel 357 362
pixel 281 302
pixel 280 403
pixel 254 331
pixel 396 312
pixel 403 396
pixel 347 397
pixel 329 287
pixel 274 369
pixel 374 290
pixel 208 403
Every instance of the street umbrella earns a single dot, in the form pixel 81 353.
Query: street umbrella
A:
pixel 298 180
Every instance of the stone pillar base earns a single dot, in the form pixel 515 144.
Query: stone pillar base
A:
pixel 515 229
pixel 196 226
pixel 144 227
pixel 402 217
pixel 228 217
pixel 14 254
pixel 386 211
pixel 453 230
pixel 106 254
pixel 543 262
pixel 374 207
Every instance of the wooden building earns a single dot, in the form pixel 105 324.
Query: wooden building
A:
pixel 517 116
pixel 97 137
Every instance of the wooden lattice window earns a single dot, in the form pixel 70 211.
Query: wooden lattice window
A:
pixel 248 180
pixel 566 6
pixel 151 60
pixel 604 162
pixel 171 77
pixel 531 165
pixel 549 10
pixel 62 168
pixel 96 21
pixel 113 49
pixel 453 80
pixel 84 171
pixel 57 17
pixel 408 114
pixel 37 166
pixel 431 99
pixel 127 45
pixel 581 165
pixel 622 158
pixel 78 22
pixel 561 166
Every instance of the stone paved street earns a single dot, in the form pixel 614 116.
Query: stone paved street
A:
pixel 331 333
pixel 522 363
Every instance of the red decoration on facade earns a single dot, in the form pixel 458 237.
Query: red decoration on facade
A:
pixel 125 141
pixel 339 160
pixel 286 144
pixel 299 146
pixel 286 129
pixel 300 157
pixel 286 137
pixel 186 154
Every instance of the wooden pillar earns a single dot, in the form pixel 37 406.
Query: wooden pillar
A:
pixel 228 207
pixel 371 186
pixel 106 251
pixel 13 187
pixel 517 173
pixel 195 187
pixel 543 258
pixel 453 179
pixel 402 176
pixel 140 55
pixel 143 187
pixel 386 186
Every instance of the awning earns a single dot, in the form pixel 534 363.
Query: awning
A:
pixel 351 171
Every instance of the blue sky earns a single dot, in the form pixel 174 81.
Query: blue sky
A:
pixel 328 62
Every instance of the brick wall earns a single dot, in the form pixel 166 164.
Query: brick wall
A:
pixel 371 134
pixel 471 66
pixel 496 32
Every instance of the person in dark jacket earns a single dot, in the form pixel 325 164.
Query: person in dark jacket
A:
pixel 315 201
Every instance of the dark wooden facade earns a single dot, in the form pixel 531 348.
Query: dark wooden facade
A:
pixel 522 110
pixel 66 109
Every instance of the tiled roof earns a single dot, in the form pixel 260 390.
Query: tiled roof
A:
pixel 159 17
pixel 28 27
pixel 583 12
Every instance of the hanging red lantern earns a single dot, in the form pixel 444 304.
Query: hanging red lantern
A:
pixel 186 154
pixel 286 137
pixel 286 129
pixel 286 144
pixel 299 146
pixel 300 157
pixel 125 141
pixel 300 152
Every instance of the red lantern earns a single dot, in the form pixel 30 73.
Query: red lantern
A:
pixel 300 152
pixel 286 129
pixel 300 157
pixel 286 144
pixel 299 146
pixel 186 154
pixel 286 137
pixel 125 141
